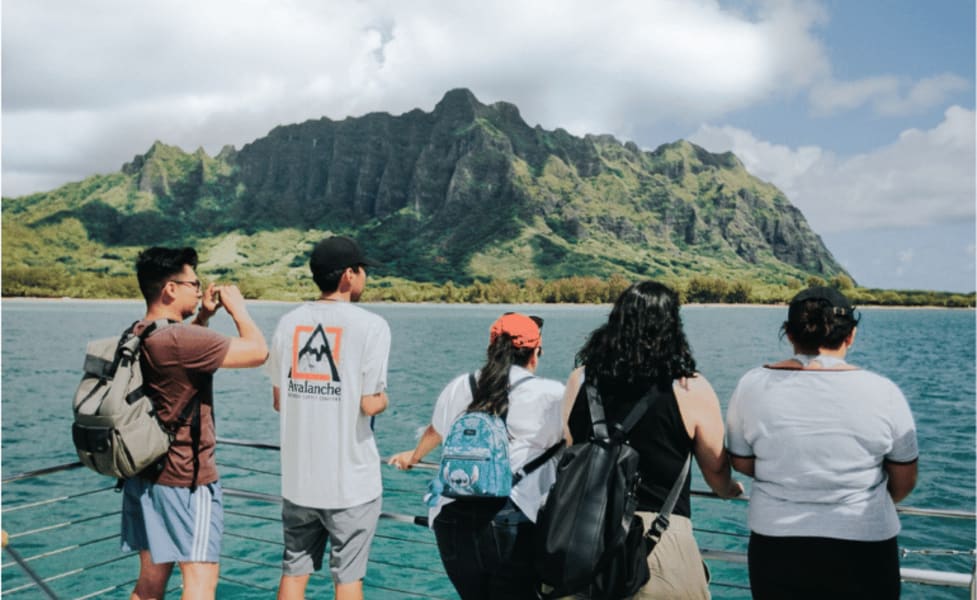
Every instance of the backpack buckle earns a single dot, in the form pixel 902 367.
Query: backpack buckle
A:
pixel 657 529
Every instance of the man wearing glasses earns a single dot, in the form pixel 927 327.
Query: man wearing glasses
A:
pixel 173 511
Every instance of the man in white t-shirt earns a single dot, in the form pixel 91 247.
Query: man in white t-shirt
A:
pixel 328 367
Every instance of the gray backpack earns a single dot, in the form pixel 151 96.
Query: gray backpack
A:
pixel 116 431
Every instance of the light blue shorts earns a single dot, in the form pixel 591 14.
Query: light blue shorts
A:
pixel 170 522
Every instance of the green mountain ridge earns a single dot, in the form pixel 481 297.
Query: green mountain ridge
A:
pixel 466 192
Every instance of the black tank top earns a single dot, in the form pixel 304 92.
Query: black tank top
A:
pixel 659 437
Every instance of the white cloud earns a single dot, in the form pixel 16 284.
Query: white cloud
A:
pixel 923 177
pixel 87 85
pixel 886 95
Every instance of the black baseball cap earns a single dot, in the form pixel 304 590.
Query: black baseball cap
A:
pixel 337 253
pixel 830 295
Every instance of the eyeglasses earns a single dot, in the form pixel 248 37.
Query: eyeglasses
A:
pixel 195 283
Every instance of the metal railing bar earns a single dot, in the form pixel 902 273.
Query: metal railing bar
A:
pixel 908 574
pixel 248 444
pixel 44 471
pixel 250 495
pixel 401 539
pixel 910 510
pixel 130 583
pixel 256 563
pixel 718 532
pixel 249 469
pixel 251 586
pixel 64 524
pixel 411 519
pixel 404 592
pixel 252 538
pixel 931 577
pixel 935 512
pixel 252 516
pixel 937 552
pixel 378 535
pixel 907 510
pixel 11 509
pixel 65 549
pixel 35 579
pixel 77 571
pixel 411 567
pixel 735 586
pixel 724 555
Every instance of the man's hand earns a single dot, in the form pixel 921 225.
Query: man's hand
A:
pixel 208 305
pixel 231 299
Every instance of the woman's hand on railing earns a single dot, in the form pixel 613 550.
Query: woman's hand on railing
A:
pixel 403 460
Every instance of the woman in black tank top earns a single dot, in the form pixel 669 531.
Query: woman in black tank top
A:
pixel 642 344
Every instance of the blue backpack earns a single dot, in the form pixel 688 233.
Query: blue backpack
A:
pixel 475 457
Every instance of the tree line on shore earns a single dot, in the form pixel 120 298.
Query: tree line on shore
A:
pixel 53 282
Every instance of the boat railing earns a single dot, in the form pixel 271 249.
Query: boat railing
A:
pixel 78 543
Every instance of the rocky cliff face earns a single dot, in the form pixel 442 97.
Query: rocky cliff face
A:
pixel 467 190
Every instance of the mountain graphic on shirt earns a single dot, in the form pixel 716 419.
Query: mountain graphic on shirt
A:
pixel 316 355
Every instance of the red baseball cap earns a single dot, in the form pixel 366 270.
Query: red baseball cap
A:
pixel 524 330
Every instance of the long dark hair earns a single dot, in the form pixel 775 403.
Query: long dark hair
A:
pixel 642 342
pixel 492 389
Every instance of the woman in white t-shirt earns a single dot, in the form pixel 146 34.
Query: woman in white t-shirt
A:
pixel 831 448
pixel 487 544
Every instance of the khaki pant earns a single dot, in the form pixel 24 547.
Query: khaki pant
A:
pixel 677 570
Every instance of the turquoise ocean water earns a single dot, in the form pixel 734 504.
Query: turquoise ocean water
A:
pixel 928 353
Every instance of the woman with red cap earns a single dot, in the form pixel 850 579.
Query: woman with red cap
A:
pixel 486 544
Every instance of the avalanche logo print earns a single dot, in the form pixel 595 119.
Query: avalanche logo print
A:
pixel 315 353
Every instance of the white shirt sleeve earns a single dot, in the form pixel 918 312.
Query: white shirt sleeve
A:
pixel 273 368
pixel 905 447
pixel 376 355
pixel 736 442
pixel 453 400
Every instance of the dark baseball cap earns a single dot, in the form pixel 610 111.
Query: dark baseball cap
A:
pixel 337 253
pixel 830 295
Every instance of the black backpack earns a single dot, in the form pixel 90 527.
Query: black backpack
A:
pixel 588 538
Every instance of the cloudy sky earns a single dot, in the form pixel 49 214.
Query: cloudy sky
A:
pixel 861 111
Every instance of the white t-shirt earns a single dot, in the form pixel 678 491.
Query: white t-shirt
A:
pixel 535 423
pixel 819 439
pixel 324 357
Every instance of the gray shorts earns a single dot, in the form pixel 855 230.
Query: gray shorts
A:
pixel 349 532
pixel 170 522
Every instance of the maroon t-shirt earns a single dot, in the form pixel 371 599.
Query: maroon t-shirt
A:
pixel 178 363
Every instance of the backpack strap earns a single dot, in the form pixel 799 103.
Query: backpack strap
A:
pixel 660 524
pixel 537 462
pixel 599 421
pixel 473 385
pixel 190 411
pixel 195 439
